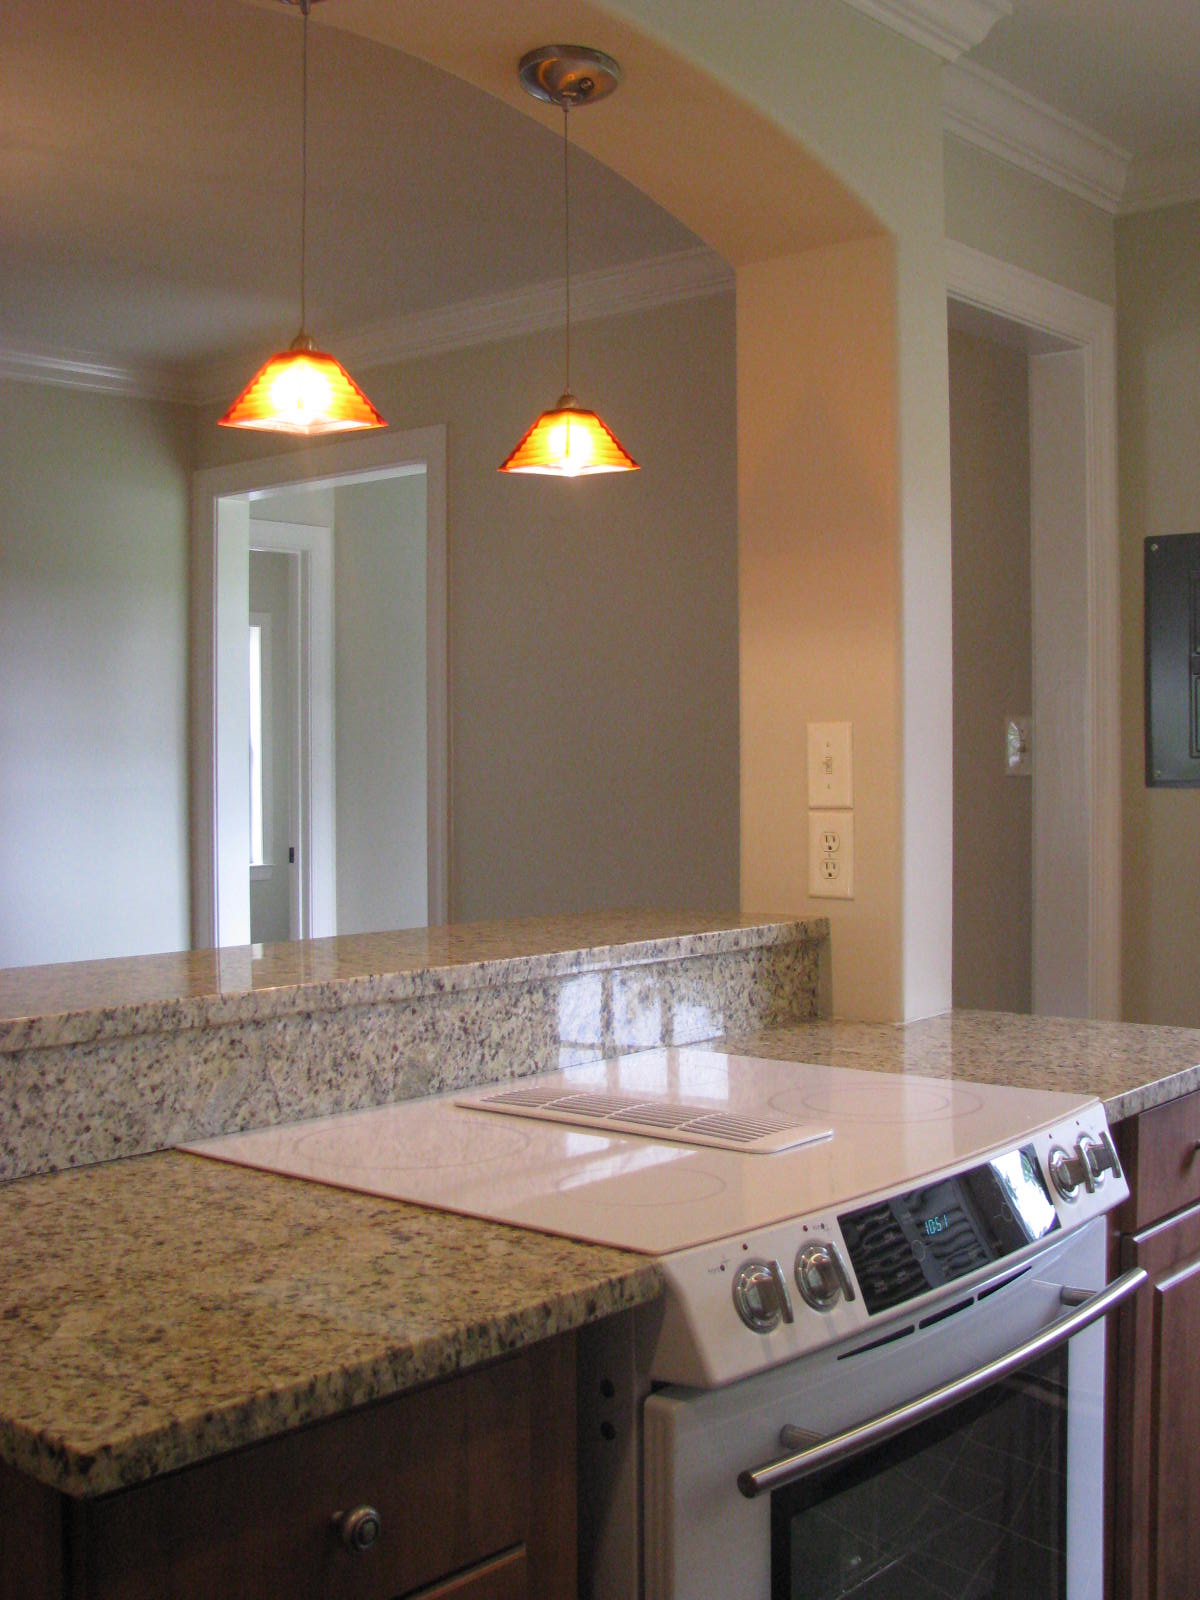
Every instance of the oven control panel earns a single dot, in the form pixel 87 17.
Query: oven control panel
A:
pixel 853 1270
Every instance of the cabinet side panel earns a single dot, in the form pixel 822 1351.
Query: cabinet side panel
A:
pixel 31 1539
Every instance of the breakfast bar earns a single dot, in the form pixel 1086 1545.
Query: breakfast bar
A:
pixel 162 1315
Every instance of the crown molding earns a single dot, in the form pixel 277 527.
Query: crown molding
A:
pixel 947 27
pixel 94 373
pixel 613 291
pixel 1172 179
pixel 984 110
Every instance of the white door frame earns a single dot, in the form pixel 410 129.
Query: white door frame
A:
pixel 1090 326
pixel 373 456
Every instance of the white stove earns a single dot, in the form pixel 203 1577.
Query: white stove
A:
pixel 789 1152
pixel 851 1260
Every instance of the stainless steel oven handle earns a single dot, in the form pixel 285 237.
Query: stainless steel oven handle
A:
pixel 842 1446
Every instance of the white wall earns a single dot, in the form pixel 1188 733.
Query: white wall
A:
pixel 93 631
pixel 380 671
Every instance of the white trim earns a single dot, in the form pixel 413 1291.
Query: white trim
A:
pixel 947 27
pixel 95 374
pixel 1060 313
pixel 315 758
pixel 611 291
pixel 986 111
pixel 376 455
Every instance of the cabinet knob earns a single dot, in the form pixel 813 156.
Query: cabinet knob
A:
pixel 359 1529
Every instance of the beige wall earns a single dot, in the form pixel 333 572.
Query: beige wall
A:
pixel 819 591
pixel 1158 332
pixel 990 501
pixel 1022 219
pixel 93 619
pixel 593 624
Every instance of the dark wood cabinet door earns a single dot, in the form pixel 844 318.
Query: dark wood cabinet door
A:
pixel 473 1480
pixel 1157 1545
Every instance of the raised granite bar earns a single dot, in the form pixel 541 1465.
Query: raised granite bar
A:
pixel 116 1058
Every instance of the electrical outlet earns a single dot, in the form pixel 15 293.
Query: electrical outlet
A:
pixel 831 854
pixel 830 771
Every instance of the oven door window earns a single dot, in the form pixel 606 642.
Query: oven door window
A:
pixel 968 1506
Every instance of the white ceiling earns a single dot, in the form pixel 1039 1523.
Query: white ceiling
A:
pixel 149 165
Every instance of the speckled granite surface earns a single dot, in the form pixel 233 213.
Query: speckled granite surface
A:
pixel 80 1001
pixel 173 1048
pixel 159 1311
pixel 1129 1066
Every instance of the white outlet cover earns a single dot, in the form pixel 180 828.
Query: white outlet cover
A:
pixel 830 764
pixel 831 855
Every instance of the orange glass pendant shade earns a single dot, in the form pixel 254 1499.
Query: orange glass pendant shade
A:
pixel 302 391
pixel 568 442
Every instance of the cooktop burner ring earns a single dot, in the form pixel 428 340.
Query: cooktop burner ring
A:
pixel 887 1101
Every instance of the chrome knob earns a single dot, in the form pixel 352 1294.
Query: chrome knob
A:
pixel 1068 1172
pixel 821 1277
pixel 1101 1157
pixel 760 1296
pixel 359 1529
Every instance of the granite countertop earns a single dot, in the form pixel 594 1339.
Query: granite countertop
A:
pixel 161 1310
pixel 80 1001
pixel 1130 1066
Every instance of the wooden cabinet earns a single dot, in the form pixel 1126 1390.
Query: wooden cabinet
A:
pixel 473 1480
pixel 1156 1404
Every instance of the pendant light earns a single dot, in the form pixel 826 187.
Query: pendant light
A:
pixel 568 441
pixel 302 389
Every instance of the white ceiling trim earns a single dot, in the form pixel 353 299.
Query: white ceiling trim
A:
pixel 90 371
pixel 947 27
pixel 1172 179
pixel 988 112
pixel 613 291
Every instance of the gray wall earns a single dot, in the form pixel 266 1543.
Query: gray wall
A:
pixel 990 509
pixel 380 670
pixel 1158 356
pixel 93 713
pixel 593 624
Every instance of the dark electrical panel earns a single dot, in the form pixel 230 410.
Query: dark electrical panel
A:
pixel 1173 660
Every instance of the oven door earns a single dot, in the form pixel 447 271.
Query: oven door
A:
pixel 957 1454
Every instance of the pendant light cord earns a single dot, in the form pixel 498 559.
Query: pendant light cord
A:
pixel 305 6
pixel 567 239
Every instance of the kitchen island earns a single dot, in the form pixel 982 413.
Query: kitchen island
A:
pixel 162 1313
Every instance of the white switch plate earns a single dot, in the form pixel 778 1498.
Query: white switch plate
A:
pixel 830 769
pixel 831 855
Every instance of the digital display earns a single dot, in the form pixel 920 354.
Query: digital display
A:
pixel 930 1236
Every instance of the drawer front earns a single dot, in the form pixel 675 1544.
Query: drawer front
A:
pixel 1166 1173
pixel 447 1468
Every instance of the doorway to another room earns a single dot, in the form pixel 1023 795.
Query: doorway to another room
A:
pixel 327 747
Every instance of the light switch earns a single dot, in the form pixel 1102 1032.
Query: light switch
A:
pixel 831 855
pixel 830 770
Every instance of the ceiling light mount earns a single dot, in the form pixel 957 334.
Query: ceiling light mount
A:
pixel 568 75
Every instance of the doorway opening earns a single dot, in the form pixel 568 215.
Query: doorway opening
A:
pixel 1072 866
pixel 349 543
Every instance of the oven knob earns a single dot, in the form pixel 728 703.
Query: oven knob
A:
pixel 761 1297
pixel 1068 1172
pixel 1101 1158
pixel 821 1277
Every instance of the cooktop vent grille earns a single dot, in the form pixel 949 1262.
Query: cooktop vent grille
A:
pixel 658 1116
